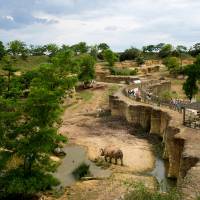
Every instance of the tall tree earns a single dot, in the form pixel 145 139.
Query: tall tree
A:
pixel 193 74
pixel 165 51
pixel 130 54
pixel 28 131
pixel 51 49
pixel 94 51
pixel 80 48
pixel 172 64
pixel 9 69
pixel 110 57
pixel 87 70
pixel 37 50
pixel 2 50
pixel 17 48
pixel 103 46
pixel 195 50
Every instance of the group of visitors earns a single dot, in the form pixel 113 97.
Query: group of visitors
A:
pixel 135 93
pixel 176 104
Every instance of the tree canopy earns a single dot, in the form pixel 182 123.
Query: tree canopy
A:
pixel 110 57
pixel 28 127
pixel 87 70
pixel 193 74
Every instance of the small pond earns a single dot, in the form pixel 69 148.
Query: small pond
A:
pixel 76 155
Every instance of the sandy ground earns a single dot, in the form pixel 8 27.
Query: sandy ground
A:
pixel 82 126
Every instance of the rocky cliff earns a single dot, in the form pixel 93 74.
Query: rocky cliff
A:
pixel 181 144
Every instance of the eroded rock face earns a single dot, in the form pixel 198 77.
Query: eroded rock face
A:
pixel 181 144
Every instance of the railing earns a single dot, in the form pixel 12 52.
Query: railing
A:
pixel 150 98
pixel 175 104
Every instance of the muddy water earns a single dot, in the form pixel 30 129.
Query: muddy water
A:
pixel 160 173
pixel 76 155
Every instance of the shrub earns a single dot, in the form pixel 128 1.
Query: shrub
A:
pixel 110 57
pixel 167 95
pixel 140 60
pixel 123 72
pixel 130 54
pixel 81 171
pixel 173 65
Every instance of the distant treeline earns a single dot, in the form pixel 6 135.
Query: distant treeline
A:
pixel 161 50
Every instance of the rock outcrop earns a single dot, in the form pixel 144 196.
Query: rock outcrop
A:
pixel 181 144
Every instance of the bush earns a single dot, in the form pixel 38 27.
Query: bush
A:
pixel 110 57
pixel 173 65
pixel 15 183
pixel 167 95
pixel 123 72
pixel 130 54
pixel 81 171
pixel 140 192
pixel 140 61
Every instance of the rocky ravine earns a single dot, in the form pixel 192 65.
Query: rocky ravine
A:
pixel 181 144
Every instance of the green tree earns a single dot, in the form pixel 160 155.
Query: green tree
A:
pixel 193 74
pixel 140 60
pixel 190 87
pixel 166 51
pixel 9 69
pixel 80 48
pixel 181 49
pixel 149 48
pixel 103 46
pixel 37 50
pixel 172 64
pixel 159 46
pixel 94 51
pixel 110 57
pixel 66 61
pixel 87 70
pixel 28 131
pixel 51 49
pixel 130 54
pixel 2 50
pixel 17 48
pixel 195 50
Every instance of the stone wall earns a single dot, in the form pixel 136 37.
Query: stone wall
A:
pixel 181 144
pixel 118 79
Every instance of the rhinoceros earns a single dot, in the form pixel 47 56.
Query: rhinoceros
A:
pixel 111 152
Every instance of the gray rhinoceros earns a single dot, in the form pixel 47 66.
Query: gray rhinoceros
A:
pixel 112 152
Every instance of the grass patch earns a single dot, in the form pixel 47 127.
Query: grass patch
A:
pixel 81 171
pixel 168 95
pixel 122 72
pixel 198 100
pixel 102 163
pixel 177 82
pixel 86 95
pixel 140 192
pixel 112 89
pixel 30 63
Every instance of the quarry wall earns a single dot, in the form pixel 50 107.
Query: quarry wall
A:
pixel 181 144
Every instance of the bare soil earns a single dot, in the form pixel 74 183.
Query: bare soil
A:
pixel 83 126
